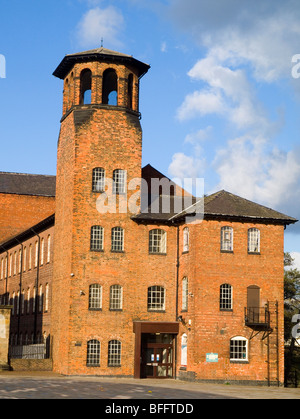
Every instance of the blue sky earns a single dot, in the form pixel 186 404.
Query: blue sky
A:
pixel 219 102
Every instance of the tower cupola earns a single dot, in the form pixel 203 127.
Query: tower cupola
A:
pixel 101 77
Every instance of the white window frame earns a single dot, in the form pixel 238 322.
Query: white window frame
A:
pixel 186 239
pixel 36 257
pixel 116 297
pixel 157 241
pixel 254 240
pixel 227 239
pixel 114 353
pixel 97 239
pixel 239 349
pixel 47 297
pixel 117 239
pixel 185 293
pixel 93 353
pixel 119 181
pixel 95 297
pixel 48 248
pixel 156 299
pixel 98 182
pixel 226 297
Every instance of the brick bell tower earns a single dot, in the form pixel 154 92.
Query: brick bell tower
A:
pixel 99 149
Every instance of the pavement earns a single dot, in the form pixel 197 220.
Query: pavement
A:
pixel 48 385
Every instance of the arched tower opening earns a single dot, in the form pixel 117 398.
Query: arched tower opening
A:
pixel 86 87
pixel 110 88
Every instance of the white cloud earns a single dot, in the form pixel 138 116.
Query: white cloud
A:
pixel 265 36
pixel 249 166
pixel 201 103
pixel 185 167
pixel 296 263
pixel 229 93
pixel 247 47
pixel 163 47
pixel 97 23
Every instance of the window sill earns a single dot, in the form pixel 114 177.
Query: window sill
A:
pixel 115 309
pixel 226 310
pixel 97 250
pixel 253 253
pixel 117 251
pixel 233 361
pixel 156 311
pixel 95 309
pixel 185 252
pixel 157 254
pixel 226 251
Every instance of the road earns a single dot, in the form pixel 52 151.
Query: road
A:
pixel 15 385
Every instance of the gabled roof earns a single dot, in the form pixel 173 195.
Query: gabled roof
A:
pixel 220 205
pixel 225 203
pixel 98 54
pixel 27 184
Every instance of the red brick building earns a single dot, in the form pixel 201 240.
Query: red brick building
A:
pixel 133 288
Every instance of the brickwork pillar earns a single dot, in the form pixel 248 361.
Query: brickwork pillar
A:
pixel 5 312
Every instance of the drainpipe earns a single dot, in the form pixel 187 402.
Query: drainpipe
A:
pixel 36 285
pixel 177 285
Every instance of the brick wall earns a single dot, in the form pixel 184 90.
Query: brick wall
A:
pixel 20 212
pixel 207 268
pixel 26 278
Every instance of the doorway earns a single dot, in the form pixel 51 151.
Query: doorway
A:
pixel 157 355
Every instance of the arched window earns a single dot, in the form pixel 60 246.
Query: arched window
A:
pixel 114 353
pixel 117 239
pixel 110 88
pixel 119 181
pixel 97 239
pixel 42 250
pixel 238 349
pixel 95 297
pixel 184 350
pixel 227 239
pixel 48 248
pixel 157 241
pixel 93 353
pixel 185 294
pixel 116 297
pixel 225 297
pixel 253 240
pixel 156 298
pixel 85 87
pixel 47 297
pixel 186 239
pixel 98 184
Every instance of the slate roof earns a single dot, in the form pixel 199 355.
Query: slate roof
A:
pixel 220 205
pixel 97 54
pixel 27 184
